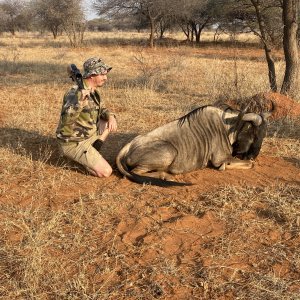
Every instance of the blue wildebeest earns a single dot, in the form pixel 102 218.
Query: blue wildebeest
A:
pixel 211 135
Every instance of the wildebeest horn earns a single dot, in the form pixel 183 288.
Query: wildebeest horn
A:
pixel 240 117
pixel 252 117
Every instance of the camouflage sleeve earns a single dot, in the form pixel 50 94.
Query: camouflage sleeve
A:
pixel 72 107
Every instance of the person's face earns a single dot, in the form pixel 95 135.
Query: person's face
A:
pixel 100 79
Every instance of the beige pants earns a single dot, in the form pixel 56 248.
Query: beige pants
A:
pixel 83 152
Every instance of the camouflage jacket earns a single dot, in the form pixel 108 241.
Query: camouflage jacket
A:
pixel 78 119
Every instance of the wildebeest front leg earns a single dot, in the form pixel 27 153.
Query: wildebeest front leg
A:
pixel 237 164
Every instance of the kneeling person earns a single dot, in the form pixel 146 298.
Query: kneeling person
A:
pixel 85 122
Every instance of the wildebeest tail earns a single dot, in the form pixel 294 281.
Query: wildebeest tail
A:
pixel 123 168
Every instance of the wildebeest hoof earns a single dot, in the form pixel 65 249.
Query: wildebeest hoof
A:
pixel 222 167
pixel 238 164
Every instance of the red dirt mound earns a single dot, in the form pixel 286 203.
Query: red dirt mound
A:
pixel 284 106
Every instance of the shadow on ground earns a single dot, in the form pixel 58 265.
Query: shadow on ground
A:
pixel 33 72
pixel 45 149
pixel 294 161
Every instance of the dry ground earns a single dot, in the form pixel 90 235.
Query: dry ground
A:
pixel 67 235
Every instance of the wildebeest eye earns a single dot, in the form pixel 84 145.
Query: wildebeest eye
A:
pixel 244 140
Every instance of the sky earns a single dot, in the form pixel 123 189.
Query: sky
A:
pixel 89 12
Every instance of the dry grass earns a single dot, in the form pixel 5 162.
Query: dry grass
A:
pixel 67 235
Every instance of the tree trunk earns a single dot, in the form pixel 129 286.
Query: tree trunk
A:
pixel 271 69
pixel 267 48
pixel 162 28
pixel 152 30
pixel 12 27
pixel 186 31
pixel 197 34
pixel 290 46
pixel 199 29
pixel 54 31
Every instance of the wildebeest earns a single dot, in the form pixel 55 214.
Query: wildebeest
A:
pixel 211 135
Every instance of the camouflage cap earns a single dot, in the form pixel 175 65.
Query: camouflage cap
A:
pixel 95 66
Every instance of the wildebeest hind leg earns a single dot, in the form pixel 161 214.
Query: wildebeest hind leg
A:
pixel 152 159
pixel 156 174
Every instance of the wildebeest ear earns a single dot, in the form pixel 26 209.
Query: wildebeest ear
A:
pixel 252 117
pixel 266 115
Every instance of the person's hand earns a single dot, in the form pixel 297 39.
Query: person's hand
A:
pixel 112 123
pixel 104 134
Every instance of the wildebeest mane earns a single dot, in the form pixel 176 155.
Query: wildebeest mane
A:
pixel 189 116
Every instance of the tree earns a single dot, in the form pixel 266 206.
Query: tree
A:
pixel 274 22
pixel 193 16
pixel 262 17
pixel 48 16
pixel 73 20
pixel 152 10
pixel 290 10
pixel 11 11
pixel 56 15
pixel 267 40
